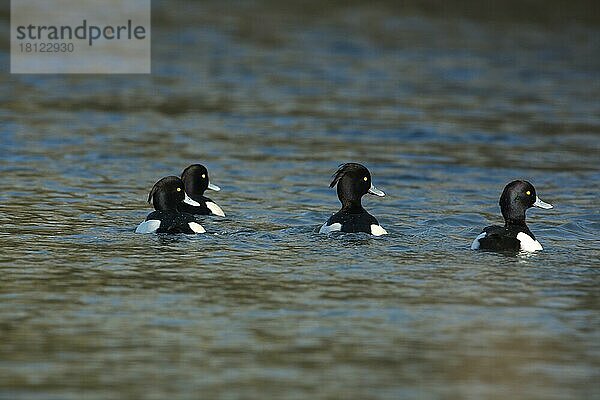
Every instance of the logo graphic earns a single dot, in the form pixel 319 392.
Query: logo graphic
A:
pixel 74 36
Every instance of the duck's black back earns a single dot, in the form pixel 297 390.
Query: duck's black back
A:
pixel 353 222
pixel 172 221
pixel 503 237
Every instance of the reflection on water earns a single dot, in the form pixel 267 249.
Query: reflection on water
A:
pixel 443 110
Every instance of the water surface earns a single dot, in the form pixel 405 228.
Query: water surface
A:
pixel 443 110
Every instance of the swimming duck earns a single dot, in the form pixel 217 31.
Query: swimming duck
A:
pixel 516 198
pixel 196 181
pixel 353 182
pixel 166 195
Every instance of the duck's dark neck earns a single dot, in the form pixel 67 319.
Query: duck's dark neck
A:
pixel 514 215
pixel 350 195
pixel 199 197
pixel 161 202
pixel 519 222
pixel 518 225
pixel 352 206
pixel 193 189
pixel 349 202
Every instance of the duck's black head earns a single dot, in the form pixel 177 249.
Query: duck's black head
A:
pixel 196 181
pixel 167 193
pixel 353 182
pixel 516 198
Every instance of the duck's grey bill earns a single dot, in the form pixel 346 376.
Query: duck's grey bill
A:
pixel 213 187
pixel 541 204
pixel 375 191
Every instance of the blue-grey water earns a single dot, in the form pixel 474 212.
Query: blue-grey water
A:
pixel 444 110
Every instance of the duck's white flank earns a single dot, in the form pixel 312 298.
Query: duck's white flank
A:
pixel 196 227
pixel 215 209
pixel 377 230
pixel 149 226
pixel 330 228
pixel 475 245
pixel 527 242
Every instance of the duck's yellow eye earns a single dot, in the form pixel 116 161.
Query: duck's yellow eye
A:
pixel 203 176
pixel 365 179
pixel 179 189
pixel 528 193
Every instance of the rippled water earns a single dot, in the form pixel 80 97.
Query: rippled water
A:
pixel 443 111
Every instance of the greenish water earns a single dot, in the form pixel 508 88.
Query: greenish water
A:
pixel 443 111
